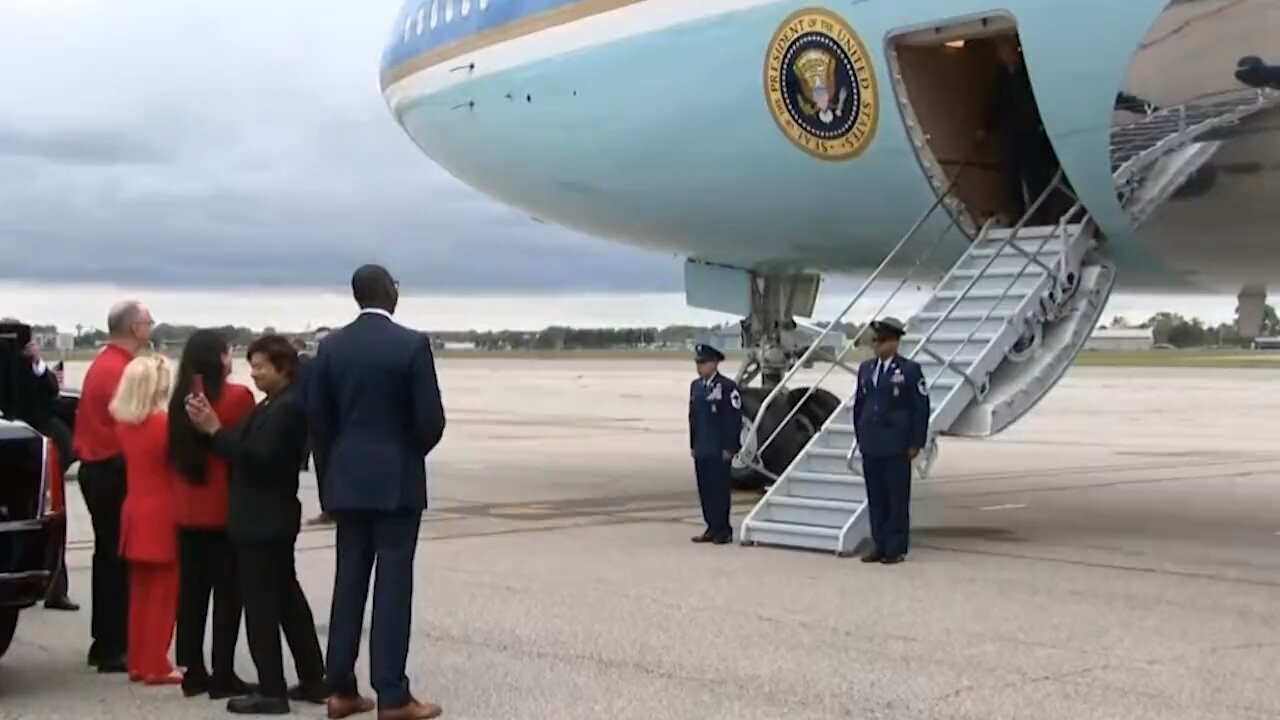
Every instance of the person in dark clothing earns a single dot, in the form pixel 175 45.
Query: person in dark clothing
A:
pixel 206 565
pixel 31 395
pixel 263 518
pixel 1030 162
pixel 376 412
pixel 715 426
pixel 891 423
pixel 300 383
pixel 1257 73
pixel 304 363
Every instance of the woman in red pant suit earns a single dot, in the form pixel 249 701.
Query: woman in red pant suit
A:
pixel 147 530
pixel 206 563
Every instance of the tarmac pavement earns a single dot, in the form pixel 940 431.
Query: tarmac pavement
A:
pixel 1114 555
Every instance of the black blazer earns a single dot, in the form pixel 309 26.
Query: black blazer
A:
pixel 265 453
pixel 375 412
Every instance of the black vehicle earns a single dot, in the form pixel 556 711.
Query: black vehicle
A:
pixel 33 517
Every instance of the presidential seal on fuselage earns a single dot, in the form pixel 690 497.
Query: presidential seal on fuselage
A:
pixel 820 85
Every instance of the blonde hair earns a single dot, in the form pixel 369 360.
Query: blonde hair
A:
pixel 144 389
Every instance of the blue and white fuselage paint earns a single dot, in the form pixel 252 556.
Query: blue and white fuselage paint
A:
pixel 785 134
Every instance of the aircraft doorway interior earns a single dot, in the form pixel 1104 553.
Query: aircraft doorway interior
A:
pixel 966 107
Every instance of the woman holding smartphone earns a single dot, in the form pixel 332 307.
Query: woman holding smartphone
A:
pixel 206 564
pixel 263 516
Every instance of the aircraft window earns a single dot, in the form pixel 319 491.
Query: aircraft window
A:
pixel 422 11
pixel 448 11
pixel 408 27
pixel 435 13
pixel 466 8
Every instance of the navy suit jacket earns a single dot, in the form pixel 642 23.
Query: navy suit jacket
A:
pixel 892 416
pixel 375 412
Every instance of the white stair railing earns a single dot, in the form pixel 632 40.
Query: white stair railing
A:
pixel 949 362
pixel 756 460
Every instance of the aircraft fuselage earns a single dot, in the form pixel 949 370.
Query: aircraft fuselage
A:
pixel 710 130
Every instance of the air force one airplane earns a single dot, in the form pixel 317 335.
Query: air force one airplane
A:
pixel 769 141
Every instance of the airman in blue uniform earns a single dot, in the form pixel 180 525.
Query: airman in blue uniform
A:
pixel 715 436
pixel 891 419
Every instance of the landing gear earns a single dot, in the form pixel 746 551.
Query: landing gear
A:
pixel 784 447
pixel 774 344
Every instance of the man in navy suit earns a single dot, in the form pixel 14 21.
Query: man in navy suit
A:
pixel 891 419
pixel 375 412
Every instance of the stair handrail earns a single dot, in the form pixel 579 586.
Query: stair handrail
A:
pixel 945 314
pixel 1261 98
pixel 1060 229
pixel 758 460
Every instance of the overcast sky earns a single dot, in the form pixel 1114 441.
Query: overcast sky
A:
pixel 186 144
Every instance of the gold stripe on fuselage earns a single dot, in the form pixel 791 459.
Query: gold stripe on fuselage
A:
pixel 527 25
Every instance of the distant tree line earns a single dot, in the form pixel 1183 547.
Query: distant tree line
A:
pixel 1168 328
pixel 165 335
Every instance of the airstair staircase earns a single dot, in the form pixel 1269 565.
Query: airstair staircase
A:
pixel 997 333
pixel 1155 156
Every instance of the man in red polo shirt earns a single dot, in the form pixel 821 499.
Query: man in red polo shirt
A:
pixel 101 479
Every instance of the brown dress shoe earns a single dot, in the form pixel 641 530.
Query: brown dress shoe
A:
pixel 344 706
pixel 413 711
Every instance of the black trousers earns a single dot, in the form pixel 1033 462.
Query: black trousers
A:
pixel 715 492
pixel 274 601
pixel 206 566
pixel 1030 163
pixel 889 498
pixel 390 539
pixel 103 486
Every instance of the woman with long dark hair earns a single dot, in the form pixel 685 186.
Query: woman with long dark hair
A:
pixel 206 561
pixel 263 520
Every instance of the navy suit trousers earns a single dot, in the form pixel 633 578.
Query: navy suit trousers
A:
pixel 390 539
pixel 715 493
pixel 889 498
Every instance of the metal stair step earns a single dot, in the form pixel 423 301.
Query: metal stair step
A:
pixel 1050 249
pixel 976 338
pixel 962 360
pixel 995 274
pixel 816 485
pixel 815 503
pixel 811 537
pixel 822 477
pixel 931 317
pixel 796 528
pixel 1012 294
pixel 817 512
pixel 1034 232
pixel 841 428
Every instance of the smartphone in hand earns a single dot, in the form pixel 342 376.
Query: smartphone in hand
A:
pixel 197 385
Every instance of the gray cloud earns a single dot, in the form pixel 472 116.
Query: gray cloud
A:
pixel 87 147
pixel 244 143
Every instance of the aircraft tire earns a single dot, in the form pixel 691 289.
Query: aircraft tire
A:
pixel 815 410
pixel 780 452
